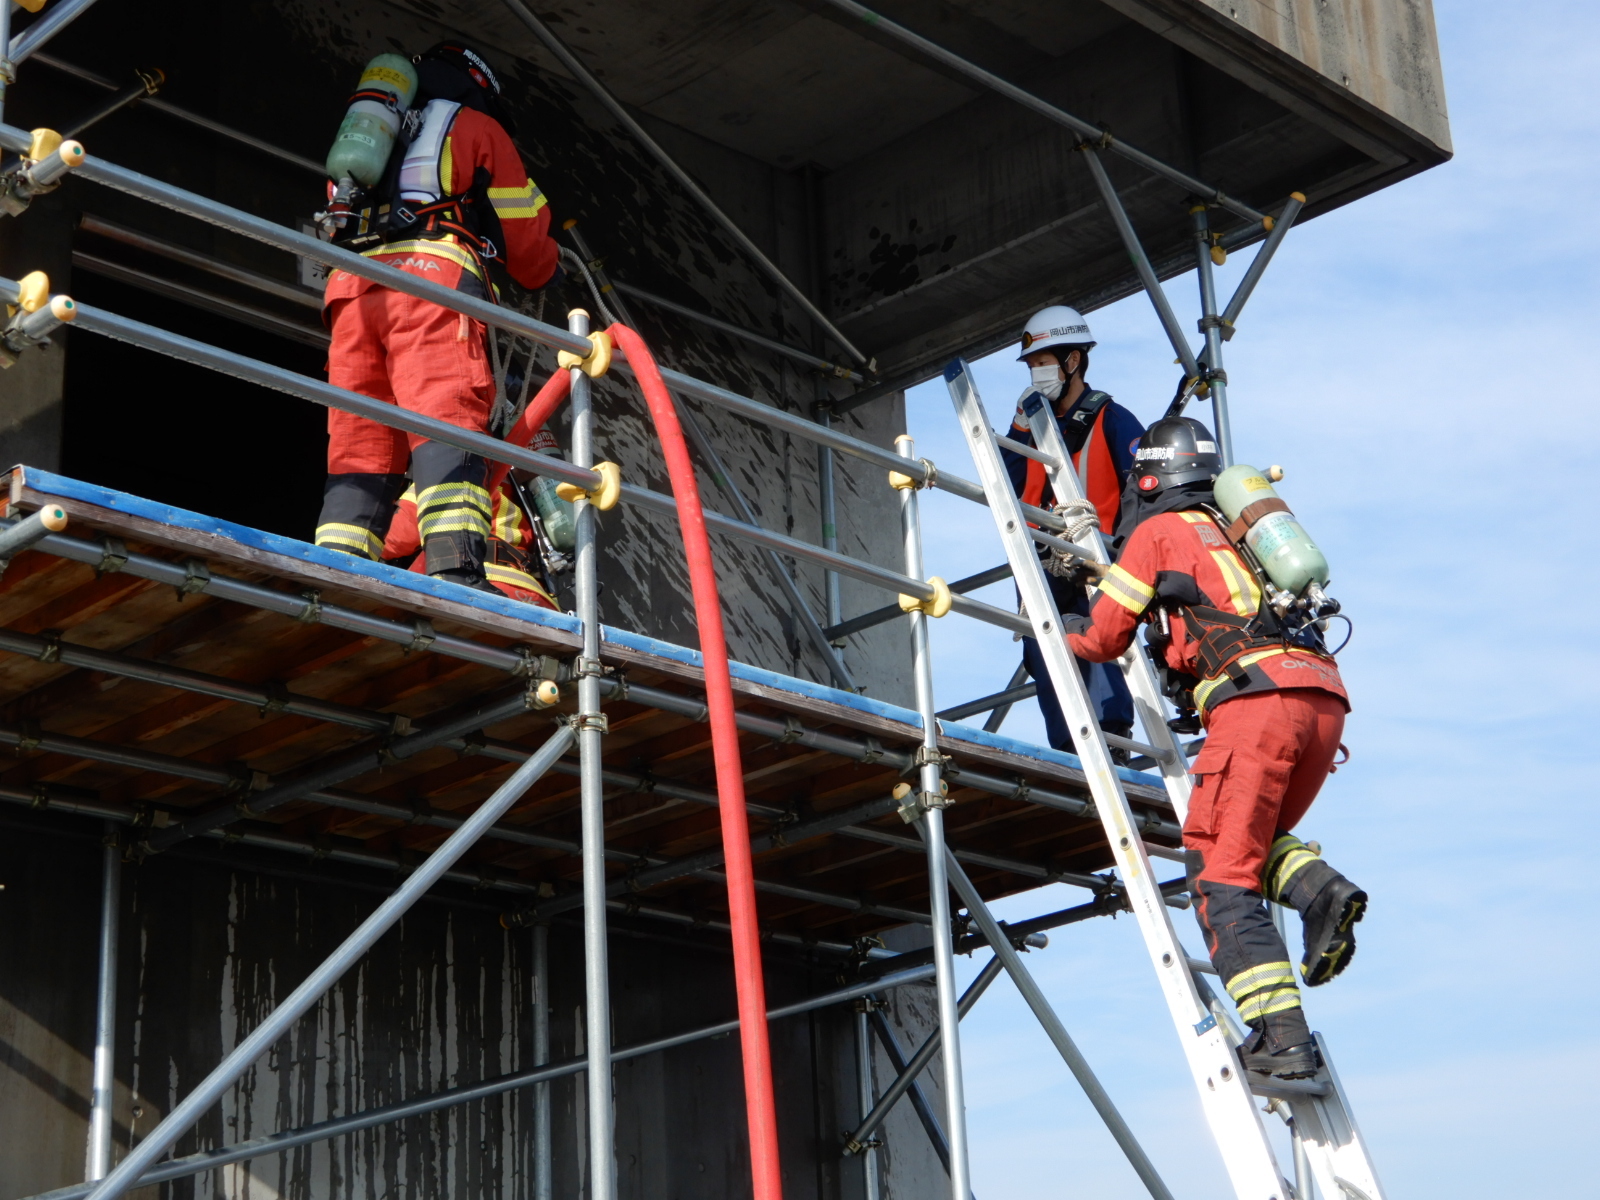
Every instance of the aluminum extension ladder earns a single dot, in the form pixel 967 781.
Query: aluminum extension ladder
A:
pixel 1327 1144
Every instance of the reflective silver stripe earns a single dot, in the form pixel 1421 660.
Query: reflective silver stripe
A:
pixel 419 170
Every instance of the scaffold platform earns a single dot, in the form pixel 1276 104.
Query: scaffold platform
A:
pixel 164 664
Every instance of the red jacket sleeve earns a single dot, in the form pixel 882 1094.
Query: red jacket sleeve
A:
pixel 477 140
pixel 1119 602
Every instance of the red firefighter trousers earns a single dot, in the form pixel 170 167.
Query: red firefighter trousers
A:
pixel 428 360
pixel 1265 758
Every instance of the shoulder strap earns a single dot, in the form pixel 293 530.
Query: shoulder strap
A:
pixel 1079 422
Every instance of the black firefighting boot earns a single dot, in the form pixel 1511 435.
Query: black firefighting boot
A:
pixel 1281 1044
pixel 1329 906
pixel 1119 755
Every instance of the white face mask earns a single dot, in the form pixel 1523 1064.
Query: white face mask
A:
pixel 1048 380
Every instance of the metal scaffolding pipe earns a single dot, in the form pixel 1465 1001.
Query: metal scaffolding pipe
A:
pixel 183 114
pixel 494 315
pixel 1259 263
pixel 881 616
pixel 283 1018
pixel 603 94
pixel 864 1073
pixel 543 1162
pixel 1031 992
pixel 919 1098
pixel 997 718
pixel 200 262
pixel 277 1143
pixel 591 725
pixel 1141 264
pixel 183 293
pixel 1049 111
pixel 755 339
pixel 378 722
pixel 1216 377
pixel 337 768
pixel 103 1098
pixel 302 608
pixel 857 1141
pixel 31 39
pixel 594 275
pixel 929 804
pixel 995 700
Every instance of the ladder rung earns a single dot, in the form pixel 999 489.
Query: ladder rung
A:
pixel 1143 748
pixel 1166 852
pixel 1287 1089
pixel 1048 460
pixel 1200 964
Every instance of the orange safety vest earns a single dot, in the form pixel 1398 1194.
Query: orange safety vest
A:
pixel 1101 485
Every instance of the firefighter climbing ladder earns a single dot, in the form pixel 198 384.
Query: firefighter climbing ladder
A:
pixel 1316 1110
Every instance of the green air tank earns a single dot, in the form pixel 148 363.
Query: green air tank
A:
pixel 559 517
pixel 1285 549
pixel 361 149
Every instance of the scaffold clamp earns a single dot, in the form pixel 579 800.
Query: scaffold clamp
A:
pixel 603 497
pixel 594 364
pixel 936 605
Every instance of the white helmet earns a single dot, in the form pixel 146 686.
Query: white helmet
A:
pixel 1057 325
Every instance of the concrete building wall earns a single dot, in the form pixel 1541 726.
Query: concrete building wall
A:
pixel 445 999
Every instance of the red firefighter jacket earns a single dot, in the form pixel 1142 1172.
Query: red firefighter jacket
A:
pixel 468 142
pixel 1160 553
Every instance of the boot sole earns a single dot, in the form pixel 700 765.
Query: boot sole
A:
pixel 1339 946
pixel 1301 1066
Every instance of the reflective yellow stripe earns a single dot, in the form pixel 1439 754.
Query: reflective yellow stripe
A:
pixel 447 165
pixel 351 539
pixel 1266 1003
pixel 446 247
pixel 508 523
pixel 1289 856
pixel 453 508
pixel 511 577
pixel 1266 975
pixel 1203 692
pixel 1195 518
pixel 514 202
pixel 1243 591
pixel 1127 589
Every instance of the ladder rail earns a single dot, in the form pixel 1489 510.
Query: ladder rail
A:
pixel 1136 666
pixel 1225 1097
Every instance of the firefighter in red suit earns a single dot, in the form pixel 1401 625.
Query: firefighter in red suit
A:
pixel 1273 706
pixel 455 199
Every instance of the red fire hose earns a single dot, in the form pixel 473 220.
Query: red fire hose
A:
pixel 760 1108
pixel 539 410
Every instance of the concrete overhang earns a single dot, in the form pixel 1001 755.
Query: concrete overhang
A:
pixel 944 213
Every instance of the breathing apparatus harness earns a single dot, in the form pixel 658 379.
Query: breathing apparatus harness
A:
pixel 378 215
pixel 1177 451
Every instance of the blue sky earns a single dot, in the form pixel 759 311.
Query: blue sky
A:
pixel 1421 363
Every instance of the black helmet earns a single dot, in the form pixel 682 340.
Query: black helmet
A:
pixel 453 71
pixel 1173 452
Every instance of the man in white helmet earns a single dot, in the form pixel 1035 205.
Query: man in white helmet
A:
pixel 1102 437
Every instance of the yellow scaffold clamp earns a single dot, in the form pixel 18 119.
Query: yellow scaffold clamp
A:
pixel 603 497
pixel 935 606
pixel 596 363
